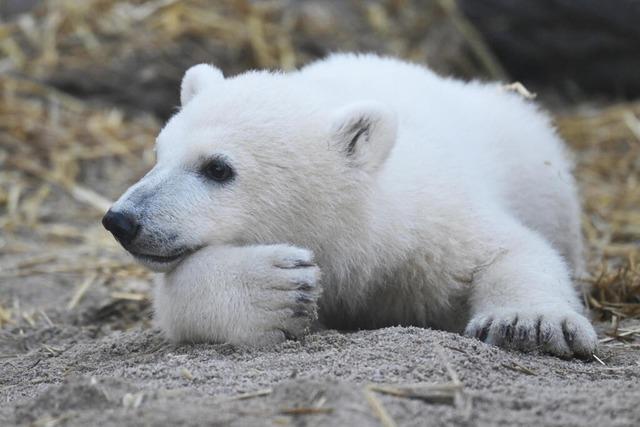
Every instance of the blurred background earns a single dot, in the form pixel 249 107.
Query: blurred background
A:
pixel 86 85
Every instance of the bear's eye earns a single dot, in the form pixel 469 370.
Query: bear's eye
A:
pixel 217 170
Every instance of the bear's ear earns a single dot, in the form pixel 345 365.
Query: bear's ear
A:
pixel 365 132
pixel 197 78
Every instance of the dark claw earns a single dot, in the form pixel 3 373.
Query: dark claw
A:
pixel 503 331
pixel 484 332
pixel 296 264
pixel 569 336
pixel 302 263
pixel 510 330
pixel 522 335
pixel 303 286
pixel 304 299
pixel 538 332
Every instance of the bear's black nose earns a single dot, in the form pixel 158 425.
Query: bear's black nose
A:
pixel 122 225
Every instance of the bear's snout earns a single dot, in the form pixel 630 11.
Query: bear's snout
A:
pixel 122 225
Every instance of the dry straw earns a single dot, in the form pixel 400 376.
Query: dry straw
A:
pixel 607 147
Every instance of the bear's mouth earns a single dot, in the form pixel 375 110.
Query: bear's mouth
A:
pixel 162 259
pixel 162 263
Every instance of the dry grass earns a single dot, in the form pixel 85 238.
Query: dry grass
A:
pixel 133 53
pixel 267 34
pixel 607 147
pixel 63 159
pixel 57 156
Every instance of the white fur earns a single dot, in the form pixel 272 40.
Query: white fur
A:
pixel 425 201
pixel 274 293
pixel 196 79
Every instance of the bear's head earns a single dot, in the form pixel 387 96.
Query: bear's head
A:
pixel 255 159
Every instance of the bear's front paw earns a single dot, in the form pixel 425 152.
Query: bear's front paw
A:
pixel 286 295
pixel 561 332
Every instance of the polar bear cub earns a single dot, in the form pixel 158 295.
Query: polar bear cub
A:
pixel 362 192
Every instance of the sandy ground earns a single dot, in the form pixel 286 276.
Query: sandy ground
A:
pixel 69 369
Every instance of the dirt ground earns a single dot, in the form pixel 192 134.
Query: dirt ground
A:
pixel 66 370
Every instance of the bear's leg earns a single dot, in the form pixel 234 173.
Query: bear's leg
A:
pixel 525 300
pixel 253 295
